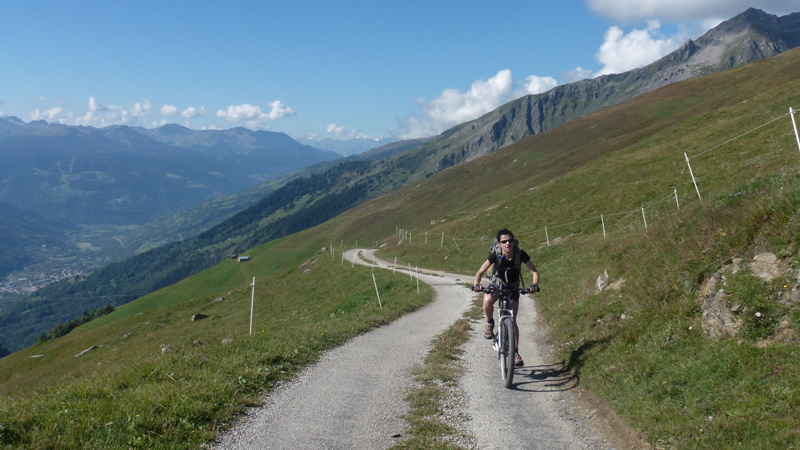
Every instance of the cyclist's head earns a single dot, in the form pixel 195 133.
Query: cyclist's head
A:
pixel 504 232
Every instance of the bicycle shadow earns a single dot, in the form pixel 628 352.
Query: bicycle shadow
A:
pixel 545 378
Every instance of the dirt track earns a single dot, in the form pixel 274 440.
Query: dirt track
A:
pixel 354 395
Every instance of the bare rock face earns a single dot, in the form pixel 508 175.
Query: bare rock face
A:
pixel 768 267
pixel 719 319
pixel 601 283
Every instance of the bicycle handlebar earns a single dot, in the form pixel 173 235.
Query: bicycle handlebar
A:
pixel 494 289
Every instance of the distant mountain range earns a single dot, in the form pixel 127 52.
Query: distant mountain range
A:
pixel 305 202
pixel 347 147
pixel 123 175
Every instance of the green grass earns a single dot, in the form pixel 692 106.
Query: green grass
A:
pixel 441 370
pixel 641 349
pixel 128 394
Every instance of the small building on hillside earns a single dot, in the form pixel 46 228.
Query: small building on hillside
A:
pixel 244 258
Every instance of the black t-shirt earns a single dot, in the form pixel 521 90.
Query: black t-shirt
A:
pixel 506 269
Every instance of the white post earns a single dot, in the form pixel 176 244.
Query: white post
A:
pixel 341 244
pixel 692 174
pixel 547 236
pixel 794 124
pixel 409 238
pixel 342 257
pixel 676 199
pixel 395 264
pixel 417 267
pixel 333 250
pixel 373 262
pixel 376 290
pixel 252 303
pixel 454 242
pixel 645 220
pixel 426 238
pixel 442 243
pixel 604 225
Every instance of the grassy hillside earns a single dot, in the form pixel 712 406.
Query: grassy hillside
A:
pixel 642 349
pixel 158 379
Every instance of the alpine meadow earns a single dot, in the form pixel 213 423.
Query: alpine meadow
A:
pixel 678 189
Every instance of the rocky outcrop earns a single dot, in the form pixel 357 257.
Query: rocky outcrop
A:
pixel 720 318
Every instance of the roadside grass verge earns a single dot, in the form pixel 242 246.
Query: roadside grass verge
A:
pixel 198 376
pixel 428 429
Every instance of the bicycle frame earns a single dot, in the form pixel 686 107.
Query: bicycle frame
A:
pixel 505 340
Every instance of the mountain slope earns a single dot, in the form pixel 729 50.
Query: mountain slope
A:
pixel 641 348
pixel 748 37
pixel 298 205
pixel 121 175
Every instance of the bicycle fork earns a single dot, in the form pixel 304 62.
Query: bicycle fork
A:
pixel 498 344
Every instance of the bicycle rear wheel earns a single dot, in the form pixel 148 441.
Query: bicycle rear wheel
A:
pixel 507 350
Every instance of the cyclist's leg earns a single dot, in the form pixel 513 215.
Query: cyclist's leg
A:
pixel 488 305
pixel 488 310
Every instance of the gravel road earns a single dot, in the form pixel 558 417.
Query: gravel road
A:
pixel 353 397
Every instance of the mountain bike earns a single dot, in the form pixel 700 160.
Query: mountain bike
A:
pixel 505 339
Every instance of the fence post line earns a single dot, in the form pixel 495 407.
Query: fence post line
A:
pixel 417 267
pixel 676 199
pixel 604 225
pixel 442 243
pixel 376 290
pixel 252 303
pixel 645 219
pixel 547 236
pixel 794 124
pixel 692 174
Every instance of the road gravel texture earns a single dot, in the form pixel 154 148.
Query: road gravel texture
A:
pixel 353 397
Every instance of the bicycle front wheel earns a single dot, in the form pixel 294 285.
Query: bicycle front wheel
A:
pixel 507 350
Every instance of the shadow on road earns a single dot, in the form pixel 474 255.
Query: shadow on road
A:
pixel 547 378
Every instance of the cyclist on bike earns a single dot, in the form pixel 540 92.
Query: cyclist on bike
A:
pixel 507 269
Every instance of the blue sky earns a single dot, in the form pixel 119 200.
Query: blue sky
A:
pixel 324 69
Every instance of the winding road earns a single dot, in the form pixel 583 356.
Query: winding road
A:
pixel 342 403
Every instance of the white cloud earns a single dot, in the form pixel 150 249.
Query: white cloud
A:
pixel 621 52
pixel 452 107
pixel 252 114
pixel 336 129
pixel 42 99
pixel 51 115
pixel 169 110
pixel 677 11
pixel 576 74
pixel 192 112
pixel 139 109
pixel 536 85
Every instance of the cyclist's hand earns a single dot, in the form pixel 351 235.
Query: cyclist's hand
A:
pixel 534 287
pixel 477 288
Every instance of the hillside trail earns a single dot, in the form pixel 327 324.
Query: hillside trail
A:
pixel 353 397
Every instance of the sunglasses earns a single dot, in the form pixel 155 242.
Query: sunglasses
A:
pixel 506 241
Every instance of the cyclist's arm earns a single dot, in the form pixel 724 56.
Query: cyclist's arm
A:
pixel 534 272
pixel 481 271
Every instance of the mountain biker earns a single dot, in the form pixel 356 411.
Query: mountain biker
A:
pixel 507 270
